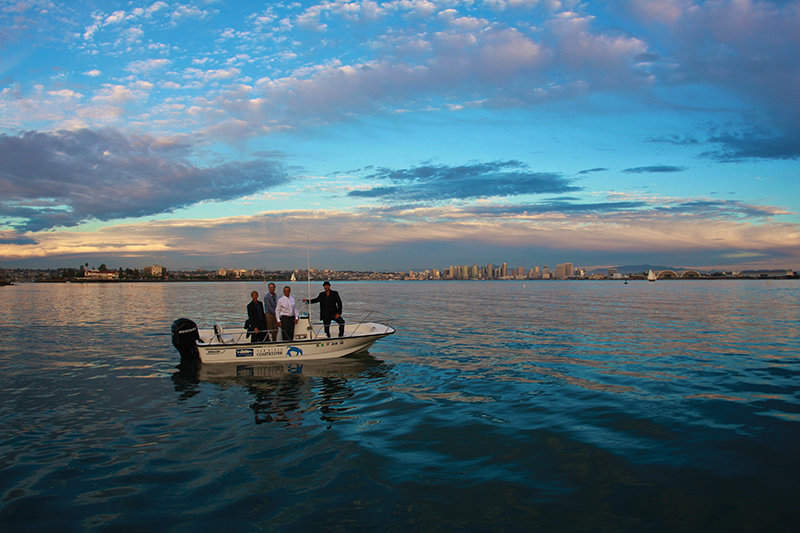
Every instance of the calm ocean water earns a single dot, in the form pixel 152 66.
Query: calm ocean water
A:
pixel 544 406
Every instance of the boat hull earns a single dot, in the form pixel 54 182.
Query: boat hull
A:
pixel 257 370
pixel 309 349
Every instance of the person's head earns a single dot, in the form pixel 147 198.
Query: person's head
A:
pixel 327 286
pixel 287 290
pixel 271 288
pixel 254 295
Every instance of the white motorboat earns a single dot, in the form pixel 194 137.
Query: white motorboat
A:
pixel 223 342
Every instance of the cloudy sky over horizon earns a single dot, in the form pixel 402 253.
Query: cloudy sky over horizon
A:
pixel 406 134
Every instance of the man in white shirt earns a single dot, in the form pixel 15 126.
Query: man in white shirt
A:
pixel 286 313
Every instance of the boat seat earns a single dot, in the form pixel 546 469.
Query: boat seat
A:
pixel 221 336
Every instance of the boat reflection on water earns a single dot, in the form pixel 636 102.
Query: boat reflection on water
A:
pixel 285 392
pixel 342 367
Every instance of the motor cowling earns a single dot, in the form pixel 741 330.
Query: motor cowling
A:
pixel 184 338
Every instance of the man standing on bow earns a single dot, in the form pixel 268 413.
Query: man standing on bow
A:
pixel 286 313
pixel 330 308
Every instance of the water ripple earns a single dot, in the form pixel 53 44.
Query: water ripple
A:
pixel 551 406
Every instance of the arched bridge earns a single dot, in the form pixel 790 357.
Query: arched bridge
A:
pixel 681 274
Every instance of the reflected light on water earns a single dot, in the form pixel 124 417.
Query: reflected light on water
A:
pixel 560 406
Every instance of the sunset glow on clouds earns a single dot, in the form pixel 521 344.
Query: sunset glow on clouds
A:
pixel 400 135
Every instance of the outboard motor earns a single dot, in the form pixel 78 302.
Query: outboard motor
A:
pixel 184 337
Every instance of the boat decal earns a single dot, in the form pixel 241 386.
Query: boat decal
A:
pixel 329 343
pixel 246 352
pixel 294 351
pixel 269 351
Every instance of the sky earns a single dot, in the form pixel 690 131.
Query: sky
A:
pixel 399 135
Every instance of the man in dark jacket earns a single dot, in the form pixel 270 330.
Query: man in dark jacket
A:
pixel 330 308
pixel 256 319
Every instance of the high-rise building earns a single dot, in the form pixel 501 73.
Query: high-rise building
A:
pixel 154 271
pixel 560 271
pixel 568 270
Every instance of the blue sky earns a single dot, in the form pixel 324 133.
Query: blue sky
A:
pixel 400 135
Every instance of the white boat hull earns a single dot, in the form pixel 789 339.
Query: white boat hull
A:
pixel 339 367
pixel 233 346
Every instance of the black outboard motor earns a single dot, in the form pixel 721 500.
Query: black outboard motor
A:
pixel 184 337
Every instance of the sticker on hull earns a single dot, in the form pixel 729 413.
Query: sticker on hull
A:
pixel 294 351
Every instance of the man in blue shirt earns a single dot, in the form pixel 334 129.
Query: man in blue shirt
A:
pixel 270 301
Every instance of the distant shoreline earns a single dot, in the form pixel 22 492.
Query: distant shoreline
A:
pixel 299 282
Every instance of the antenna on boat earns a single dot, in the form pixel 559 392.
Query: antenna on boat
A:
pixel 308 274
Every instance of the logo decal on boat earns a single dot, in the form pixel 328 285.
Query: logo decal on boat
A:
pixel 294 351
pixel 244 352
pixel 329 343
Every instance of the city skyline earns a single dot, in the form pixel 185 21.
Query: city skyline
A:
pixel 473 272
pixel 398 135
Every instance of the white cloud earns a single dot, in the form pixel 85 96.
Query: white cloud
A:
pixel 147 65
pixel 158 6
pixel 114 95
pixel 115 17
pixel 367 231
pixel 142 85
pixel 66 93
pixel 131 35
pixel 605 56
pixel 184 12
pixel 207 76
